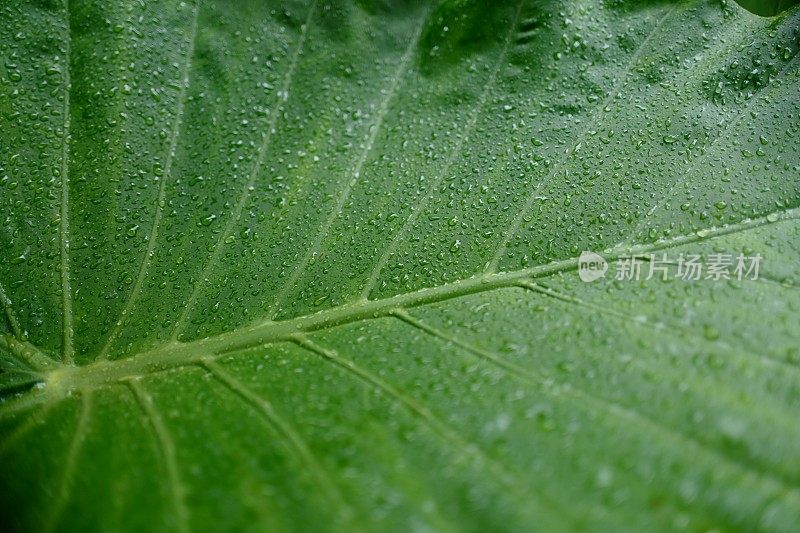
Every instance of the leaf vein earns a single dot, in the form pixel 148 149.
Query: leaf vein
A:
pixel 166 447
pixel 273 420
pixel 66 289
pixel 417 209
pixel 177 354
pixel 545 503
pixel 685 333
pixel 62 496
pixel 731 124
pixel 10 316
pixel 605 406
pixel 300 268
pixel 244 195
pixel 152 238
pixel 34 419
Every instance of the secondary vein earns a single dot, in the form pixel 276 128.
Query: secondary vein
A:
pixel 10 316
pixel 69 464
pixel 313 250
pixel 244 195
pixel 67 348
pixel 162 188
pixel 608 407
pixel 669 194
pixel 166 447
pixel 456 151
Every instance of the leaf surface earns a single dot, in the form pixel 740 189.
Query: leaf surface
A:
pixel 313 265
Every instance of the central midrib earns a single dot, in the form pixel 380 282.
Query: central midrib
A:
pixel 59 381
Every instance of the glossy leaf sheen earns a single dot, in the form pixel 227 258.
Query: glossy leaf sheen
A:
pixel 312 265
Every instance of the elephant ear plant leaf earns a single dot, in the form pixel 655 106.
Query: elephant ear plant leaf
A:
pixel 399 265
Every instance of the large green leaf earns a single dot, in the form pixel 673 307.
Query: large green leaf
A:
pixel 312 265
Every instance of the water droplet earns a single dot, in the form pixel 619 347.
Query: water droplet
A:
pixel 710 332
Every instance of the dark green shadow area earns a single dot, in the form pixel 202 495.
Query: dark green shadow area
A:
pixel 767 8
